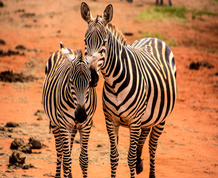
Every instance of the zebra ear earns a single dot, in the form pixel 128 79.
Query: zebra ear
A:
pixel 70 55
pixel 108 14
pixel 61 45
pixel 85 12
pixel 64 50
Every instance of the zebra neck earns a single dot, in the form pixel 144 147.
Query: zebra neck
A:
pixel 116 65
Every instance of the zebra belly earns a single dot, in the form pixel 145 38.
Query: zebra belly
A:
pixel 118 115
pixel 152 115
pixel 124 108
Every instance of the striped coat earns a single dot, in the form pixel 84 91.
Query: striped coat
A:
pixel 70 104
pixel 139 89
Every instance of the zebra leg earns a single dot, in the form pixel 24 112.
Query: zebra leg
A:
pixel 154 136
pixel 83 159
pixel 157 2
pixel 58 145
pixel 170 3
pixel 73 134
pixel 161 2
pixel 135 129
pixel 72 140
pixel 139 163
pixel 66 141
pixel 114 155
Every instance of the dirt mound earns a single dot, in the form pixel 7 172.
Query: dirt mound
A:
pixel 10 76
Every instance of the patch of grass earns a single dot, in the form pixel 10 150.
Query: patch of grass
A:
pixel 171 42
pixel 162 13
pixel 160 36
pixel 192 42
pixel 149 15
pixel 173 13
pixel 202 12
pixel 212 51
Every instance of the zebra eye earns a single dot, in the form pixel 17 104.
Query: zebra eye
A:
pixel 104 42
pixel 102 50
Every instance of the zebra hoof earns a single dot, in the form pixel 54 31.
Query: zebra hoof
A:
pixel 139 167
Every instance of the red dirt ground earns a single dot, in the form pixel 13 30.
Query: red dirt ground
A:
pixel 187 148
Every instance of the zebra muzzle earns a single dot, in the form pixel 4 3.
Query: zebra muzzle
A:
pixel 94 77
pixel 80 114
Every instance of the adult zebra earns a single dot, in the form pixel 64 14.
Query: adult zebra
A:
pixel 70 104
pixel 139 89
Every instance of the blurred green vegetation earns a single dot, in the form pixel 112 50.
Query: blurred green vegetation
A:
pixel 173 13
pixel 146 34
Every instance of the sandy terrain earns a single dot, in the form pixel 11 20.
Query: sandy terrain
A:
pixel 30 31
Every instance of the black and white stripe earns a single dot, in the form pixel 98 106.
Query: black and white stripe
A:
pixel 70 104
pixel 139 89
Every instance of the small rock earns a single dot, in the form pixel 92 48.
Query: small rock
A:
pixel 27 166
pixel 49 175
pixel 194 66
pixel 215 73
pixel 36 144
pixel 20 47
pixel 38 112
pixel 9 170
pixel 25 148
pixel 27 15
pixel 11 124
pixel 17 157
pixel 215 86
pixel 10 130
pixel 17 143
pixel 39 118
pixel 99 145
pixel 1 4
pixel 2 129
pixel 19 10
pixel 206 64
pixel 2 42
pixel 128 34
pixel 197 65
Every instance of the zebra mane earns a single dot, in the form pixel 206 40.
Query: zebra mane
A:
pixel 118 34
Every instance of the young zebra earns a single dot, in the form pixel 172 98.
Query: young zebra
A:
pixel 70 103
pixel 139 89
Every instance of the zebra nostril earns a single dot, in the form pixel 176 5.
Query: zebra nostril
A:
pixel 80 114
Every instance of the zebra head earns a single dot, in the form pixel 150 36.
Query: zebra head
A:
pixel 96 38
pixel 79 81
